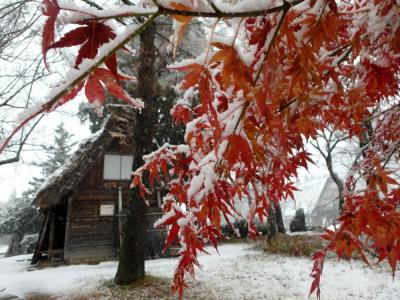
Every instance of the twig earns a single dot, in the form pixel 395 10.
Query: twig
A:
pixel 214 7
pixel 91 3
pixel 394 150
pixel 268 49
pixel 266 54
pixel 17 156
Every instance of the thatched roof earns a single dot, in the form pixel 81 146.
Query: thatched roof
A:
pixel 119 126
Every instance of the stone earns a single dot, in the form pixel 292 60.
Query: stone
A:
pixel 299 221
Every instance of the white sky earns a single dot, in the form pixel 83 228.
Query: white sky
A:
pixel 17 175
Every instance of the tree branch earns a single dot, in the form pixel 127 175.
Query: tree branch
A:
pixel 269 47
pixel 94 4
pixel 91 3
pixel 17 156
pixel 214 7
pixel 203 14
pixel 394 150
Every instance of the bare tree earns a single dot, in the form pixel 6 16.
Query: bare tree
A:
pixel 20 58
pixel 329 145
pixel 331 140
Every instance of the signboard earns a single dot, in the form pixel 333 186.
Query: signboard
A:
pixel 107 210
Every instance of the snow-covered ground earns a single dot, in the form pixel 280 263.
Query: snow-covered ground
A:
pixel 238 273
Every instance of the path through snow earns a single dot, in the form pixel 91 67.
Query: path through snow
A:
pixel 239 273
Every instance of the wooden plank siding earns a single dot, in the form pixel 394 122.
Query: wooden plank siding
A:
pixel 91 236
pixel 95 237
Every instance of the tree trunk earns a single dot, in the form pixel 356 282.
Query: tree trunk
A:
pixel 279 219
pixel 271 224
pixel 336 179
pixel 275 222
pixel 131 258
pixel 132 254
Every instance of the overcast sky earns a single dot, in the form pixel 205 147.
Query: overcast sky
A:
pixel 27 50
pixel 17 175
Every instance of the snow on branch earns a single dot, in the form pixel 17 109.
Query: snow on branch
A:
pixel 75 77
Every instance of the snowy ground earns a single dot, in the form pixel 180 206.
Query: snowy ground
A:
pixel 239 273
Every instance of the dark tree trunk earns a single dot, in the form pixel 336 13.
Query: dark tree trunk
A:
pixel 271 224
pixel 279 219
pixel 131 260
pixel 275 222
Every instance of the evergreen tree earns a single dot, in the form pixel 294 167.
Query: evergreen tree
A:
pixel 19 218
pixel 57 152
pixel 86 113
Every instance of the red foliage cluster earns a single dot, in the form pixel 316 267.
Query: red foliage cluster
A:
pixel 90 36
pixel 312 67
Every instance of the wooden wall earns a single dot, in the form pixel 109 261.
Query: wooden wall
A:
pixel 94 237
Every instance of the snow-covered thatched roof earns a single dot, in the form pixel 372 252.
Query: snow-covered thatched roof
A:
pixel 328 198
pixel 119 125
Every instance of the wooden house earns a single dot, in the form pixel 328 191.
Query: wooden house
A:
pixel 83 202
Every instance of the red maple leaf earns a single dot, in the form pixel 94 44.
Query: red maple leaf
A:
pixel 90 36
pixel 50 9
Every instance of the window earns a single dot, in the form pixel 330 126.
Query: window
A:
pixel 117 167
pixel 107 210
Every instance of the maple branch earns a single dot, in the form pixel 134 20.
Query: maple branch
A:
pixel 228 15
pixel 392 152
pixel 382 112
pixel 214 7
pixel 338 50
pixel 203 14
pixel 91 3
pixel 283 107
pixel 17 156
pixel 268 49
pixel 345 55
pixel 266 54
pixel 322 12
